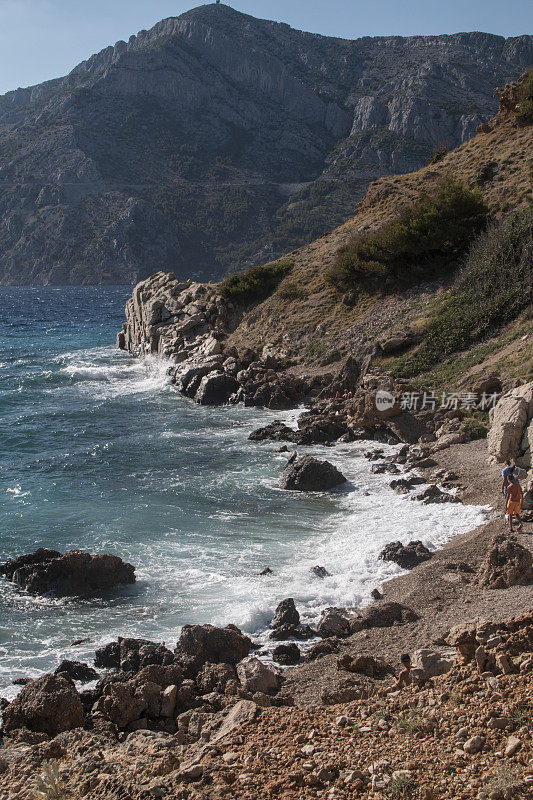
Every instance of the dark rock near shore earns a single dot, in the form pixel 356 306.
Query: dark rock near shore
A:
pixel 132 655
pixel 405 485
pixel 406 556
pixel 320 572
pixel 286 654
pixel 215 389
pixel 199 644
pixel 77 671
pixel 434 495
pixel 275 431
pixel 47 705
pixel 310 475
pixel 286 614
pixel 74 573
pixel 385 614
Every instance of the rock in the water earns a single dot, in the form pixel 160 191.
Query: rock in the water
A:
pixel 406 556
pixel 310 475
pixel 435 495
pixel 215 389
pixel 72 574
pixel 286 614
pixel 286 654
pixel 507 563
pixel 200 644
pixel 48 705
pixel 320 572
pixel 77 671
pixel 257 677
pixel 275 431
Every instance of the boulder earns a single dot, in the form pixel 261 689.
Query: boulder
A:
pixel 405 485
pixel 320 572
pixel 387 613
pixel 406 556
pixel 431 663
pixel 199 644
pixel 77 671
pixel 255 676
pixel 333 623
pixel 365 665
pixel 48 705
pixel 506 564
pixel 463 638
pixel 310 475
pixel 215 389
pixel 508 437
pixel 286 614
pixel 433 495
pixel 74 573
pixel 132 655
pixel 275 431
pixel 286 654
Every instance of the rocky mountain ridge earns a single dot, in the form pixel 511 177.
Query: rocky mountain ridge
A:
pixel 216 140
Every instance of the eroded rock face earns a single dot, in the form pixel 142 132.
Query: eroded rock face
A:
pixel 48 705
pixel 507 563
pixel 406 556
pixel 77 671
pixel 511 432
pixel 310 475
pixel 74 573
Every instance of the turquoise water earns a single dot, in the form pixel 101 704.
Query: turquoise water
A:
pixel 98 451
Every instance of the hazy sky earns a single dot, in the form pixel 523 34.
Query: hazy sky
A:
pixel 42 39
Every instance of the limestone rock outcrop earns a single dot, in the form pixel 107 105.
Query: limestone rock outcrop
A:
pixel 511 432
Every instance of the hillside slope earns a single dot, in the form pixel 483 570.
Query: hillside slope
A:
pixel 216 140
pixel 316 324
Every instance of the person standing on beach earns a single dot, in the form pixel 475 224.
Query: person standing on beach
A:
pixel 507 471
pixel 514 502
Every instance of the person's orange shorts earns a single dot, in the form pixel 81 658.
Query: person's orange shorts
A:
pixel 514 507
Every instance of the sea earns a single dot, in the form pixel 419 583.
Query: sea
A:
pixel 99 451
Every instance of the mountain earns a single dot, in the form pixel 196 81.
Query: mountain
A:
pixel 216 140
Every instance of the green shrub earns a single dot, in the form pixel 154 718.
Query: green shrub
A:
pixel 291 291
pixel 424 238
pixel 475 429
pixel 524 96
pixel 494 286
pixel 439 153
pixel 255 284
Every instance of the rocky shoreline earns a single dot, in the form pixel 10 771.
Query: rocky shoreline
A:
pixel 209 718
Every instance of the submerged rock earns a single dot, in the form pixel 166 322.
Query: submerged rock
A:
pixel 310 475
pixel 72 574
pixel 406 556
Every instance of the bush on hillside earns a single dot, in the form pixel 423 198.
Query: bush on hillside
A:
pixel 255 284
pixel 423 239
pixel 524 95
pixel 494 286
